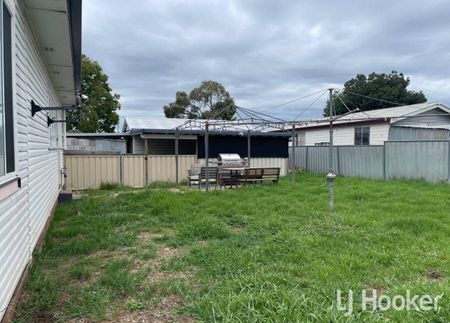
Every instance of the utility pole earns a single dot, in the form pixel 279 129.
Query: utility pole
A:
pixel 331 173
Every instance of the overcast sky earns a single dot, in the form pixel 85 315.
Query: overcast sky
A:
pixel 264 52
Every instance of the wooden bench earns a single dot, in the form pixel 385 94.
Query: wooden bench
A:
pixel 259 175
pixel 271 174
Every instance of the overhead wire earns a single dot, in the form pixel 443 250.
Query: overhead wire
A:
pixel 309 106
pixel 376 99
pixel 292 101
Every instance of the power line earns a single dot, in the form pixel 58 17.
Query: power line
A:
pixel 292 101
pixel 261 113
pixel 309 106
pixel 376 99
pixel 348 109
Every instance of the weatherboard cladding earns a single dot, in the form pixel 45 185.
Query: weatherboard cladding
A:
pixel 345 135
pixel 23 214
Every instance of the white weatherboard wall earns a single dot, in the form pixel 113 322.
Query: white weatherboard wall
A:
pixel 38 159
pixel 345 136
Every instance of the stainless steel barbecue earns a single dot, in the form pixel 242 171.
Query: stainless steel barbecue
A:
pixel 230 160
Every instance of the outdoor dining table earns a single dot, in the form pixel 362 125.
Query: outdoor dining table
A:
pixel 235 174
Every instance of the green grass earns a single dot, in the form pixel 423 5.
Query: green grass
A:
pixel 269 253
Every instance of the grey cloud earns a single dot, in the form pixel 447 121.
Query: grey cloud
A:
pixel 264 52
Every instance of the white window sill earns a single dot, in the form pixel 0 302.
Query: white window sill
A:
pixel 9 187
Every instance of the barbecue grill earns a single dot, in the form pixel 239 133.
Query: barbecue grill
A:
pixel 230 160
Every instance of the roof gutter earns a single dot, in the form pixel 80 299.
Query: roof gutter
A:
pixel 212 132
pixel 74 13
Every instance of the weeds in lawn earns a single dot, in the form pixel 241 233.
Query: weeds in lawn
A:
pixel 264 253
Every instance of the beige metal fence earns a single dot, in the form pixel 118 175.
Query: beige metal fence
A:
pixel 90 171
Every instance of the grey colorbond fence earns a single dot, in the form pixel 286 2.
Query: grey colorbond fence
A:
pixel 424 160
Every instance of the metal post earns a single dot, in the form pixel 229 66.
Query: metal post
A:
pixel 177 135
pixel 307 159
pixel 293 155
pixel 330 178
pixel 331 161
pixel 448 162
pixel 206 156
pixel 331 174
pixel 121 181
pixel 384 161
pixel 146 161
pixel 248 147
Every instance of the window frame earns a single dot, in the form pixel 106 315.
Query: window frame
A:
pixel 364 130
pixel 11 176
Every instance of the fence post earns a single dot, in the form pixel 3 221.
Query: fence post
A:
pixel 448 162
pixel 146 162
pixel 177 136
pixel 338 155
pixel 384 162
pixel 121 169
pixel 306 159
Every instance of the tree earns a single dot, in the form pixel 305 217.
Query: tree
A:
pixel 388 87
pixel 99 104
pixel 209 100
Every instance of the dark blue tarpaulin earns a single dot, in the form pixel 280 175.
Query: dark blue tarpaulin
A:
pixel 275 147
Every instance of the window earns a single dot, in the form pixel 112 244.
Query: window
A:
pixel 362 136
pixel 7 158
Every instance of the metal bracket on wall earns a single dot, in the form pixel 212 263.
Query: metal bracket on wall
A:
pixel 36 108
pixel 50 121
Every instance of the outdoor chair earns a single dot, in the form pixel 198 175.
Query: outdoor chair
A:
pixel 194 174
pixel 229 177
pixel 213 174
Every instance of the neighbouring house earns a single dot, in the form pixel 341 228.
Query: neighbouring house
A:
pixel 41 61
pixel 424 121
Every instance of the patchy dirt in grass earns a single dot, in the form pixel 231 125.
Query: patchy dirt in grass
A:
pixel 434 274
pixel 146 237
pixel 176 190
pixel 375 289
pixel 163 255
pixel 164 312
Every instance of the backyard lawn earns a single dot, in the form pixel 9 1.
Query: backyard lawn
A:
pixel 269 253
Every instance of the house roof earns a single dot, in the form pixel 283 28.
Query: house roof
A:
pixel 134 123
pixel 388 115
pixel 56 25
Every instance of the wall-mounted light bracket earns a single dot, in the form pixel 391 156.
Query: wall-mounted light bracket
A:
pixel 36 108
pixel 50 121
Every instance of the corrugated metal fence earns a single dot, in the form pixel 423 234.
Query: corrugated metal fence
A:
pixel 425 160
pixel 90 171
